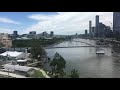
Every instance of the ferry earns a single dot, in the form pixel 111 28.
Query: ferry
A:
pixel 99 50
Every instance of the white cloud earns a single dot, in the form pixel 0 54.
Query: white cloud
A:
pixel 7 20
pixel 40 17
pixel 6 30
pixel 67 22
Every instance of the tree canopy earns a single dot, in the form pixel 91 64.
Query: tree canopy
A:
pixel 58 64
pixel 74 74
pixel 37 52
pixel 31 42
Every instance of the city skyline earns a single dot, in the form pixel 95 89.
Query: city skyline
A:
pixel 59 22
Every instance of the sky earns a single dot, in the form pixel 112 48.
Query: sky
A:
pixel 64 23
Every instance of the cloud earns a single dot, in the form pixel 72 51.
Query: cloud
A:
pixel 7 20
pixel 6 30
pixel 67 22
pixel 41 17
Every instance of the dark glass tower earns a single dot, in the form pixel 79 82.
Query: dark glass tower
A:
pixel 116 22
pixel 90 28
pixel 97 25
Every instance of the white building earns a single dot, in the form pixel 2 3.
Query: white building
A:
pixel 20 69
pixel 14 54
pixel 22 62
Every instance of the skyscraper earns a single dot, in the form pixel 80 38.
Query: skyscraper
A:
pixel 116 23
pixel 90 28
pixel 86 33
pixel 32 32
pixel 102 29
pixel 93 31
pixel 51 33
pixel 97 26
pixel 15 33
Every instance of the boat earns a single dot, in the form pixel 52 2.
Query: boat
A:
pixel 99 50
pixel 112 52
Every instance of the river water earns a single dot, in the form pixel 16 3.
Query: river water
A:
pixel 85 60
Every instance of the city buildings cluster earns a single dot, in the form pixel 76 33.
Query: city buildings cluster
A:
pixel 31 35
pixel 100 30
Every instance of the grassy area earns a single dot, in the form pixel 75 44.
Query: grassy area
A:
pixel 37 74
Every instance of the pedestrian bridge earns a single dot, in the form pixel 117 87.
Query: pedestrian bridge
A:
pixel 73 46
pixel 68 47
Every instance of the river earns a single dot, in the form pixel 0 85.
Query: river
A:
pixel 85 60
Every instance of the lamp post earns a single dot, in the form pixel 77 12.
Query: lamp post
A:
pixel 6 61
pixel 38 60
pixel 8 73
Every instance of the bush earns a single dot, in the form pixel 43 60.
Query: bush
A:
pixel 37 74
pixel 74 74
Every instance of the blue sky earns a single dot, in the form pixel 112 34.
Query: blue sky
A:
pixel 59 22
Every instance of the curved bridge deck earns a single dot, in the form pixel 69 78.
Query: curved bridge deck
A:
pixel 68 47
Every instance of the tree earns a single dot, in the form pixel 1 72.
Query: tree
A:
pixel 57 64
pixel 1 45
pixel 37 52
pixel 74 74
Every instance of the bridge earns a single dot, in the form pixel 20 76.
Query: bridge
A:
pixel 85 43
pixel 73 46
pixel 68 47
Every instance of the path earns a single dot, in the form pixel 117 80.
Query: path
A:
pixel 43 72
pixel 12 75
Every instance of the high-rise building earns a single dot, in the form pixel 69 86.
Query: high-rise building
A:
pixel 116 23
pixel 102 29
pixel 32 32
pixel 15 33
pixel 51 33
pixel 90 28
pixel 93 31
pixel 97 26
pixel 44 34
pixel 86 33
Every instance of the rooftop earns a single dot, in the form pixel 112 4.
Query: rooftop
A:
pixel 17 67
pixel 11 53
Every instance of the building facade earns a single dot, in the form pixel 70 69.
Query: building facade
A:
pixel 90 28
pixel 51 33
pixel 97 26
pixel 32 32
pixel 15 33
pixel 86 33
pixel 93 31
pixel 102 29
pixel 116 23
